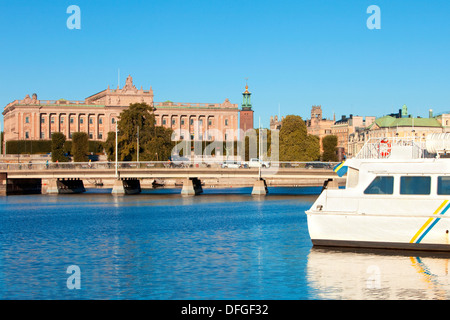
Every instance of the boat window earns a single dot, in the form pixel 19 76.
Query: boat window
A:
pixel 443 185
pixel 415 185
pixel 381 185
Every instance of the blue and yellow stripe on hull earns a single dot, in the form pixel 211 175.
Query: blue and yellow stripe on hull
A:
pixel 431 222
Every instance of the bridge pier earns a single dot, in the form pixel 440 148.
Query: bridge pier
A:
pixel 3 184
pixel 126 186
pixel 62 186
pixel 260 187
pixel 191 187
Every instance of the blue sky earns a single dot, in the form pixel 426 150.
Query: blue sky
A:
pixel 294 53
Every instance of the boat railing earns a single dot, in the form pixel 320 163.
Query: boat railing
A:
pixel 384 148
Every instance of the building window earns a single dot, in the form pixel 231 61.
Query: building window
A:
pixel 42 120
pixel 100 135
pixel 164 122
pixel 191 122
pixel 27 119
pixel 182 122
pixel 381 185
pixel 91 121
pixel 62 120
pixel 42 135
pixel 90 135
pixel 173 122
pixel 226 122
pixel 27 135
pixel 52 119
pixel 71 120
pixel 415 185
pixel 209 122
pixel 113 120
pixel 81 120
pixel 100 120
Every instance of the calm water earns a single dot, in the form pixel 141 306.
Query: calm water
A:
pixel 220 245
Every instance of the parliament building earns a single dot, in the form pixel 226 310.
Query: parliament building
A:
pixel 33 119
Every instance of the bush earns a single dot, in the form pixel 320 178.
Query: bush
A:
pixel 80 146
pixel 58 140
pixel 28 146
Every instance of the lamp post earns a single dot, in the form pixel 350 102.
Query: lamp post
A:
pixel 138 145
pixel 117 174
pixel 18 154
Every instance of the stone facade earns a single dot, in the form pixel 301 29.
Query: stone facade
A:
pixel 317 125
pixel 347 126
pixel 33 119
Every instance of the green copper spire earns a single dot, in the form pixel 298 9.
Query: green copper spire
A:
pixel 246 103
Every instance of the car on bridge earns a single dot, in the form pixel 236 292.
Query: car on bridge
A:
pixel 256 163
pixel 233 164
pixel 318 165
pixel 179 162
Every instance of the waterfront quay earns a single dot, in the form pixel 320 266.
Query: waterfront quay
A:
pixel 131 177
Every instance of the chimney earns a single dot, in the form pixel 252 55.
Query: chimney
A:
pixel 430 113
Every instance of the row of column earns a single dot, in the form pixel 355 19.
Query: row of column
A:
pixel 35 126
pixel 199 125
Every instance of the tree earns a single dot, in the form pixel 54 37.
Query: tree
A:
pixel 329 144
pixel 110 146
pixel 58 140
pixel 154 142
pixel 80 146
pixel 295 143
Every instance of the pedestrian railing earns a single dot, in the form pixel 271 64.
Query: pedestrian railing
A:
pixel 143 165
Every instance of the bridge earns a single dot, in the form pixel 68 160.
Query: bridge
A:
pixel 131 177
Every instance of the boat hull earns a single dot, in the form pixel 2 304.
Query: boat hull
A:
pixel 430 233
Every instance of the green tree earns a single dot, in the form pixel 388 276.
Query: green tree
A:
pixel 58 140
pixel 295 143
pixel 154 142
pixel 80 146
pixel 329 144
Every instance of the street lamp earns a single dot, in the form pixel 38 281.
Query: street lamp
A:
pixel 117 175
pixel 138 145
pixel 18 154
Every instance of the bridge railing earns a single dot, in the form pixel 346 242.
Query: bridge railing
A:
pixel 125 165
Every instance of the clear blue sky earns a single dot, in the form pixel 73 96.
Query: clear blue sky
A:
pixel 294 53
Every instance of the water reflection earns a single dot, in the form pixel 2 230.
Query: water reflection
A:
pixel 378 274
pixel 154 246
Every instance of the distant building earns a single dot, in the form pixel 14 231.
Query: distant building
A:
pixel 275 124
pixel 246 113
pixel 318 125
pixel 33 119
pixel 398 125
pixel 347 126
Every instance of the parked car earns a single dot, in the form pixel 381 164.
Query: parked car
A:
pixel 256 163
pixel 231 164
pixel 318 165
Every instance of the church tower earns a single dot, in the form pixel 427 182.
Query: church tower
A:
pixel 246 113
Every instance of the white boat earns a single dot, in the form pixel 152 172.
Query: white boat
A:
pixel 397 196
